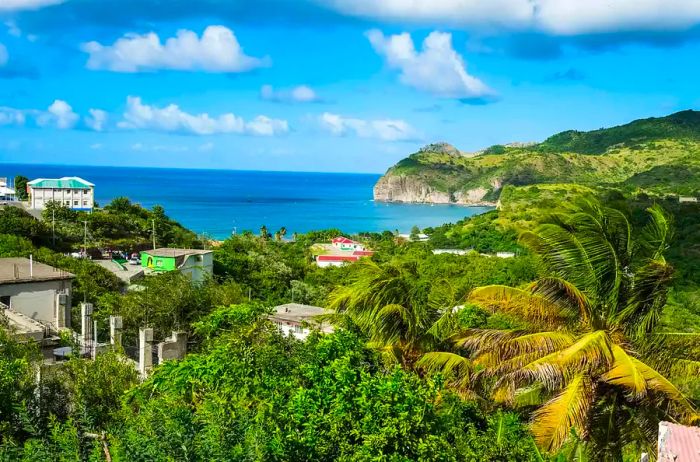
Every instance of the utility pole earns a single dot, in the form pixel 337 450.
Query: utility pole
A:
pixel 53 227
pixel 85 239
pixel 154 234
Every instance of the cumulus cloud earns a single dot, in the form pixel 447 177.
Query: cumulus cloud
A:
pixel 16 5
pixel 173 119
pixel 217 50
pixel 97 120
pixel 4 56
pixel 560 17
pixel 382 129
pixel 60 115
pixel 437 68
pixel 298 94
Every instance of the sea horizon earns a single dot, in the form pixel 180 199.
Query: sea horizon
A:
pixel 221 202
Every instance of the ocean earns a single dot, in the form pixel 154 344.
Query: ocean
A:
pixel 220 202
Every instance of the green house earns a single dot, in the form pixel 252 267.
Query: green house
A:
pixel 195 263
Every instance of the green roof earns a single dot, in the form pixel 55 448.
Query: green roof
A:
pixel 72 182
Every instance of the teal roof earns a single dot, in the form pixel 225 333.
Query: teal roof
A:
pixel 71 182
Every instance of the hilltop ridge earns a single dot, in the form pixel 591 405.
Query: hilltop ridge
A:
pixel 658 155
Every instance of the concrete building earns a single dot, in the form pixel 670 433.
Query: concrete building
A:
pixel 346 245
pixel 299 320
pixel 7 192
pixel 194 263
pixel 36 291
pixel 71 191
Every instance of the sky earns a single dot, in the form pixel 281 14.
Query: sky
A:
pixel 328 85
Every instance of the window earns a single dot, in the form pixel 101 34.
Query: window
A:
pixel 298 329
pixel 68 203
pixel 85 204
pixel 75 203
pixel 86 191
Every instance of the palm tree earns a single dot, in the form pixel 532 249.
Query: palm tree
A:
pixel 264 233
pixel 592 357
pixel 399 314
pixel 282 232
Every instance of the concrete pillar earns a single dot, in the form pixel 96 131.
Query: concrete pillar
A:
pixel 115 331
pixel 86 323
pixel 63 313
pixel 145 355
pixel 174 347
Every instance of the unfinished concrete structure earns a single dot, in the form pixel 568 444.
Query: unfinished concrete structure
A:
pixel 173 347
pixel 37 291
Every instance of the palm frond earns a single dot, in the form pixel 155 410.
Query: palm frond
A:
pixel 452 366
pixel 588 353
pixel 551 424
pixel 519 302
pixel 624 373
pixel 563 293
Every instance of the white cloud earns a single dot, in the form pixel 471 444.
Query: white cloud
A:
pixel 173 119
pixel 437 68
pixel 562 17
pixel 382 129
pixel 158 148
pixel 97 120
pixel 206 147
pixel 298 94
pixel 11 116
pixel 60 114
pixel 217 50
pixel 12 29
pixel 16 5
pixel 4 56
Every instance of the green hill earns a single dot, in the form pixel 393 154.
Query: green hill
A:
pixel 657 156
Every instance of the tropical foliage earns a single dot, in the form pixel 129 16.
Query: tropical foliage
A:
pixel 591 358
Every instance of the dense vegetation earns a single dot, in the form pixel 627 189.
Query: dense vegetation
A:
pixel 658 156
pixel 567 351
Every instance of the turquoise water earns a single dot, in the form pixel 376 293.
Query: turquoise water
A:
pixel 216 202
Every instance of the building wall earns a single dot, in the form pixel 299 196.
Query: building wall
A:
pixel 198 267
pixel 78 199
pixel 291 328
pixel 158 263
pixel 39 300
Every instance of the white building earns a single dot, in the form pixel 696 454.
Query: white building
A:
pixel 345 244
pixel 72 192
pixel 7 193
pixel 37 291
pixel 299 320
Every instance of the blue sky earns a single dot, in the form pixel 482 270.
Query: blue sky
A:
pixel 328 85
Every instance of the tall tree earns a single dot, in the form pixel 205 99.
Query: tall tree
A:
pixel 592 357
pixel 394 308
pixel 21 187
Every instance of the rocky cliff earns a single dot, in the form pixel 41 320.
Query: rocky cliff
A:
pixel 410 189
pixel 656 155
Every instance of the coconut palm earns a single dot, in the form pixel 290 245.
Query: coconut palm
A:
pixel 592 357
pixel 399 313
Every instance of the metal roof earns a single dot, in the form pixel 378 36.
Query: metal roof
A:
pixel 174 253
pixel 67 182
pixel 678 443
pixel 18 270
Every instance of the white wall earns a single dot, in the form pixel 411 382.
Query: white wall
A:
pixel 38 299
pixel 73 198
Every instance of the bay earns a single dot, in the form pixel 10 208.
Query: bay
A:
pixel 219 202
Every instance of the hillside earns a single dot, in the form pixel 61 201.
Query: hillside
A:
pixel 656 155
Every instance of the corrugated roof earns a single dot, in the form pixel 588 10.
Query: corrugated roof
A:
pixel 17 270
pixel 337 258
pixel 70 182
pixel 174 253
pixel 678 443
